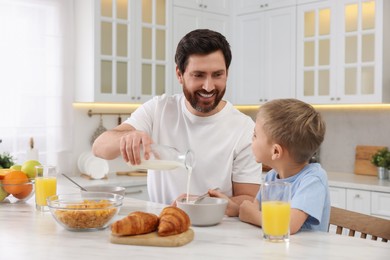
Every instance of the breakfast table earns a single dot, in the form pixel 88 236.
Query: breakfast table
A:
pixel 26 233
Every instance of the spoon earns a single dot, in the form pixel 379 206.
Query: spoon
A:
pixel 201 197
pixel 81 187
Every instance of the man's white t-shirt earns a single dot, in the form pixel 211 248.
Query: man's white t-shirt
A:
pixel 221 144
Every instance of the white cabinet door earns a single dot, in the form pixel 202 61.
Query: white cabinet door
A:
pixel 380 204
pixel 137 192
pixel 338 197
pixel 359 201
pixel 214 6
pixel 266 56
pixel 250 6
pixel 250 58
pixel 111 65
pixel 339 52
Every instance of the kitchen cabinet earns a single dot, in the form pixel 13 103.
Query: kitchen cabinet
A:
pixel 250 6
pixel 338 197
pixel 137 192
pixel 265 56
pixel 362 201
pixel 359 201
pixel 112 64
pixel 213 6
pixel 340 54
pixel 380 204
pixel 189 19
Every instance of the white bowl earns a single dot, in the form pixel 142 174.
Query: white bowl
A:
pixel 207 212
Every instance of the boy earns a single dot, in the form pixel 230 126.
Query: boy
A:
pixel 287 133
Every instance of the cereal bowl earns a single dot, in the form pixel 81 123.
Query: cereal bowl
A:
pixel 207 212
pixel 85 211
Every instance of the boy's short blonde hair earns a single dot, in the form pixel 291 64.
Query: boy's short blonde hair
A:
pixel 295 125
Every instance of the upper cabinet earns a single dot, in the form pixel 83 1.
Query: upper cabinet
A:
pixel 122 50
pixel 212 6
pixel 341 52
pixel 189 15
pixel 251 6
pixel 265 55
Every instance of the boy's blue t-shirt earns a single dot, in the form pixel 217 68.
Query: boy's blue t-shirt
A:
pixel 309 193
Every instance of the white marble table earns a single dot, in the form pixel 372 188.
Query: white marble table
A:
pixel 28 234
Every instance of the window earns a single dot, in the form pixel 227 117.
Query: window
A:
pixel 36 83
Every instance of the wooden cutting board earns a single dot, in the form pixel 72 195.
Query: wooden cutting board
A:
pixel 152 239
pixel 363 156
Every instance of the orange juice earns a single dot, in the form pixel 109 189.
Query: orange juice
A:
pixel 275 217
pixel 44 187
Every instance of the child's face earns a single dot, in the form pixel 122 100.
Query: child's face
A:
pixel 261 147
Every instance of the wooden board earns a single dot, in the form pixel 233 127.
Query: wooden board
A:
pixel 152 239
pixel 363 156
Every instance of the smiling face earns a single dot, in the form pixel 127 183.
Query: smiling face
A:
pixel 204 83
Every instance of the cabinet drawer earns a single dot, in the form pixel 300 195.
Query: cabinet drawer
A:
pixel 359 201
pixel 337 197
pixel 380 204
pixel 137 192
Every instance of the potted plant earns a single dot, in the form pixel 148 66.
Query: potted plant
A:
pixel 381 159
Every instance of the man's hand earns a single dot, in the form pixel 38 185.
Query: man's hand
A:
pixel 130 146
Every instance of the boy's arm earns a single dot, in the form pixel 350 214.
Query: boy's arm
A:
pixel 298 217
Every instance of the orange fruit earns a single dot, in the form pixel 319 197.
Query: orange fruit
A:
pixel 27 190
pixel 12 178
pixel 4 172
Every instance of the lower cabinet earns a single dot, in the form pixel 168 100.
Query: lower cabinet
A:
pixel 137 192
pixel 362 201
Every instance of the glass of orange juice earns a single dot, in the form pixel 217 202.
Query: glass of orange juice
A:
pixel 45 185
pixel 276 210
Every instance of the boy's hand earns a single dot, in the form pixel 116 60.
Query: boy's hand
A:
pixel 249 212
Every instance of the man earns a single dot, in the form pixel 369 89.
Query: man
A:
pixel 200 120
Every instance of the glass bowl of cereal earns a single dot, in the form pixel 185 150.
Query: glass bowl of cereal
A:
pixel 85 211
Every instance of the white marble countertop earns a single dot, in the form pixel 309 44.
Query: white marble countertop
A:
pixel 111 179
pixel 28 234
pixel 361 182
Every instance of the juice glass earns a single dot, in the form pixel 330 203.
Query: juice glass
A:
pixel 45 185
pixel 276 211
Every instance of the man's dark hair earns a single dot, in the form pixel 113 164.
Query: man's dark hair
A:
pixel 203 42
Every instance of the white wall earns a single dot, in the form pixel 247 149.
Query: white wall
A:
pixel 345 130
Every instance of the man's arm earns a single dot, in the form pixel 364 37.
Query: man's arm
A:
pixel 107 145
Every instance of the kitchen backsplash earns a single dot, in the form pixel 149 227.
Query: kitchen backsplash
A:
pixel 345 130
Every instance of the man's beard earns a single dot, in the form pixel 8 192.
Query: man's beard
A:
pixel 202 107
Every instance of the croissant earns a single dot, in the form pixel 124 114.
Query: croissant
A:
pixel 136 223
pixel 173 221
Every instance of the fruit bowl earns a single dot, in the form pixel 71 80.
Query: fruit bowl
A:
pixel 85 211
pixel 16 192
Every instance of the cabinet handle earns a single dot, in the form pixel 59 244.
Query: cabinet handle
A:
pixel 133 192
pixel 261 6
pixel 138 98
pixel 205 6
pixel 337 98
pixel 332 98
pixel 357 196
pixel 200 5
pixel 133 98
pixel 266 5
